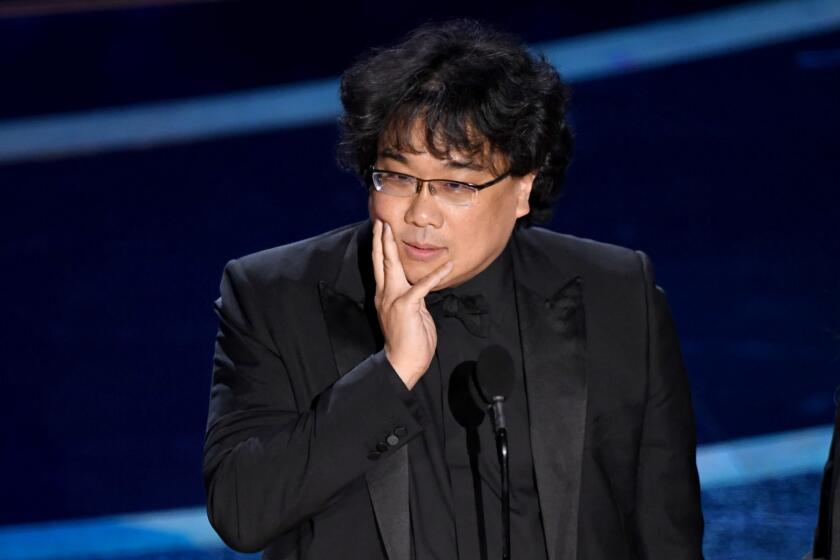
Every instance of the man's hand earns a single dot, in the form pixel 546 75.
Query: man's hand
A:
pixel 408 327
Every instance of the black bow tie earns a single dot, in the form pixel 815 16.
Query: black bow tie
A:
pixel 471 310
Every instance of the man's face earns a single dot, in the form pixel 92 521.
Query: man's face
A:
pixel 470 236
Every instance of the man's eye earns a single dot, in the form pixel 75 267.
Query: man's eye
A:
pixel 454 186
pixel 399 177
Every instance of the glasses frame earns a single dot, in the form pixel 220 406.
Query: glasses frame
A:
pixel 472 186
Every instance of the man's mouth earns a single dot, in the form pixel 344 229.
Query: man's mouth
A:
pixel 423 251
pixel 423 246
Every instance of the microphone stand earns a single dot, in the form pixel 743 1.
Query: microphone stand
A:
pixel 500 430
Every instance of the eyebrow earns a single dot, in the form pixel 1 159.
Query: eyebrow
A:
pixel 455 164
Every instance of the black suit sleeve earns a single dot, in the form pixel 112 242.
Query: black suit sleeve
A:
pixel 270 464
pixel 670 519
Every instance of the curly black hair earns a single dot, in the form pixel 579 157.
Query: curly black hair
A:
pixel 475 87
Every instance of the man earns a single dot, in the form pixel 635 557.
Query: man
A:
pixel 826 545
pixel 341 423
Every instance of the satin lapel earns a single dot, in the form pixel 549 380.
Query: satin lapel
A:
pixel 553 334
pixel 351 337
pixel 388 486
pixel 354 335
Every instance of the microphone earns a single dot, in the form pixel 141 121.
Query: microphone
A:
pixel 494 380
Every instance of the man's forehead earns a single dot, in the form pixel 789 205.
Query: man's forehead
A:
pixel 452 159
pixel 404 138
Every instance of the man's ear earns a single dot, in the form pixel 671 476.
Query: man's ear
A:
pixel 526 183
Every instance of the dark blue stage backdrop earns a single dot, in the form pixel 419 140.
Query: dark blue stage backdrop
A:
pixel 723 169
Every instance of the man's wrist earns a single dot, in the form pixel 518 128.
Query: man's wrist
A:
pixel 401 390
pixel 407 379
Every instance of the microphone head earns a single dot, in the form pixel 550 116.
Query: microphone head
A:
pixel 494 373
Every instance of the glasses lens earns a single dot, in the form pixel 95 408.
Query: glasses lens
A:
pixel 394 183
pixel 397 184
pixel 454 193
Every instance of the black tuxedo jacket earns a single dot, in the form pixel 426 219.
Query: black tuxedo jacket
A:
pixel 827 535
pixel 300 398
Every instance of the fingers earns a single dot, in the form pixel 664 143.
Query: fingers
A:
pixel 394 273
pixel 377 256
pixel 389 272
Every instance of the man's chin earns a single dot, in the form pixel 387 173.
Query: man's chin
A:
pixel 416 273
pixel 413 276
pixel 445 283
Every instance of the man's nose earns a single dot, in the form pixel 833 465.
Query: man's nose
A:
pixel 424 209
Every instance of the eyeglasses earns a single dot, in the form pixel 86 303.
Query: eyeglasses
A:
pixel 456 193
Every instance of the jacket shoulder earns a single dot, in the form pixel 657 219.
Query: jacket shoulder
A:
pixel 587 255
pixel 318 256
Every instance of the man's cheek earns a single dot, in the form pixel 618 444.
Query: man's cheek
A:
pixel 372 209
